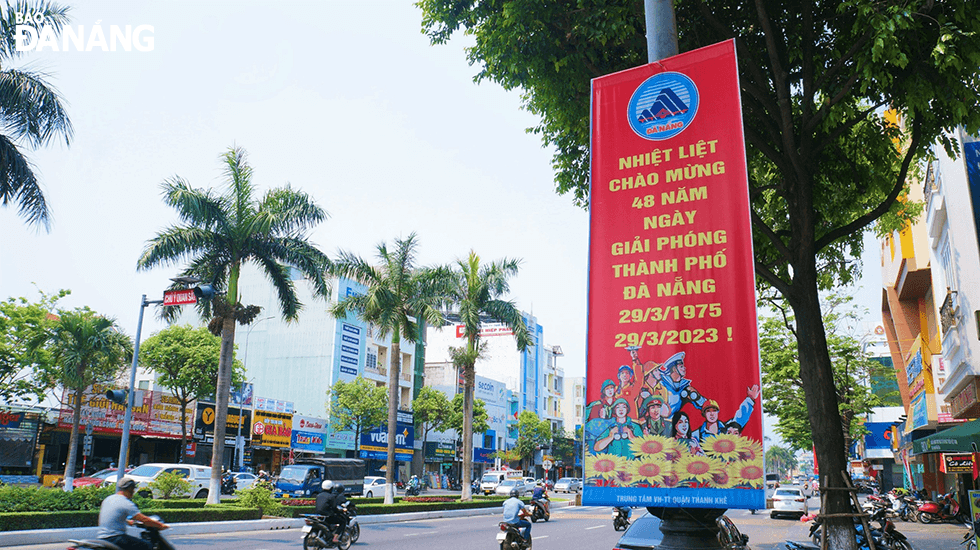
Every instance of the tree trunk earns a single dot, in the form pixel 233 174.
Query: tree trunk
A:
pixel 467 473
pixel 820 394
pixel 73 443
pixel 221 407
pixel 183 430
pixel 393 374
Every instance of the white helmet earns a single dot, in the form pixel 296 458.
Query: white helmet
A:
pixel 327 485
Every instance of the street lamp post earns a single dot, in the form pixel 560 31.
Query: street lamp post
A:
pixel 239 443
pixel 124 443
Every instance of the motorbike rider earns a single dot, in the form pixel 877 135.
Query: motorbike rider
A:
pixel 947 509
pixel 515 514
pixel 117 510
pixel 540 495
pixel 329 503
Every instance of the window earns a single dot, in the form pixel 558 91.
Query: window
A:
pixel 371 361
pixel 946 258
pixel 143 385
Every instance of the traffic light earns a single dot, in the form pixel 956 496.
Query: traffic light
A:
pixel 204 292
pixel 120 397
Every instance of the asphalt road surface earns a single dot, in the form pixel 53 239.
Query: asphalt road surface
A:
pixel 569 528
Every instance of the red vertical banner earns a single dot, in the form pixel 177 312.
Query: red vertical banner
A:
pixel 675 413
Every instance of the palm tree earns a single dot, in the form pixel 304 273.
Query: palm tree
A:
pixel 31 111
pixel 398 294
pixel 476 291
pixel 86 348
pixel 219 233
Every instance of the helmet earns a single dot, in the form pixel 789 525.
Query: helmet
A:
pixel 540 484
pixel 327 485
pixel 514 493
pixel 338 488
pixel 125 484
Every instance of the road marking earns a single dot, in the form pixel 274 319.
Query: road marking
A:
pixel 595 527
pixel 415 534
pixel 540 537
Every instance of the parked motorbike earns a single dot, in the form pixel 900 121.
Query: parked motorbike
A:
pixel 621 517
pixel 970 538
pixel 317 533
pixel 908 508
pixel 149 534
pixel 933 512
pixel 510 538
pixel 885 536
pixel 538 511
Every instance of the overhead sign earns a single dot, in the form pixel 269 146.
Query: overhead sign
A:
pixel 673 375
pixel 179 297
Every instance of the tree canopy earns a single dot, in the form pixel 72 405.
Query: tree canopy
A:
pixel 532 434
pixel 479 418
pixel 23 367
pixel 431 409
pixel 357 406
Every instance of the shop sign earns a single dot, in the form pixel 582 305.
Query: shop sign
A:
pixel 308 434
pixel 913 369
pixel 483 456
pixel 272 429
pixel 438 451
pixel 965 398
pixel 10 420
pixel 957 463
pixel 273 405
pixel 377 439
pixel 236 419
pixel 155 413
pixel 920 412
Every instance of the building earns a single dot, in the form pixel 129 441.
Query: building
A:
pixel 573 406
pixel 952 196
pixel 554 389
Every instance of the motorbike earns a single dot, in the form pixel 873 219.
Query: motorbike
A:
pixel 455 485
pixel 149 534
pixel 908 508
pixel 413 490
pixel 353 527
pixel 400 484
pixel 885 536
pixel 317 533
pixel 510 538
pixel 229 484
pixel 538 511
pixel 932 512
pixel 621 518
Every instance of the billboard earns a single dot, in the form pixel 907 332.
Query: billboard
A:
pixel 374 443
pixel 155 414
pixel 674 416
pixel 308 434
pixel 272 429
pixel 350 337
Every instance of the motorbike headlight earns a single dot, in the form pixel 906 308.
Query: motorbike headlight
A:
pixel 614 514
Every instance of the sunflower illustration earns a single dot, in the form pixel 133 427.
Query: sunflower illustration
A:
pixel 650 445
pixel 698 468
pixel 749 449
pixel 604 465
pixel 670 479
pixel 723 446
pixel 722 479
pixel 648 468
pixel 748 472
pixel 673 450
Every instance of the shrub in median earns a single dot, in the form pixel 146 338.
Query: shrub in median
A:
pixel 259 496
pixel 46 499
pixel 17 521
pixel 169 485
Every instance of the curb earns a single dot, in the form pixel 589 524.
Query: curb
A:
pixel 49 536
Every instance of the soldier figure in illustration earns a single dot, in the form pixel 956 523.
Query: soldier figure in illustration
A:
pixel 651 415
pixel 673 377
pixel 616 438
pixel 602 408
pixel 712 426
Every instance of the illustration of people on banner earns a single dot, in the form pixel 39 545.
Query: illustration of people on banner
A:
pixel 651 427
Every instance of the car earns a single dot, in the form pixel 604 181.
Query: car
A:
pixel 568 485
pixel 505 486
pixel 95 479
pixel 529 483
pixel 374 486
pixel 789 500
pixel 644 534
pixel 244 480
pixel 198 476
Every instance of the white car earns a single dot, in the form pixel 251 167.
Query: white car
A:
pixel 568 485
pixel 244 480
pixel 789 501
pixel 373 486
pixel 198 476
pixel 505 486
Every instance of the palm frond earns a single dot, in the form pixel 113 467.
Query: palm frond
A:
pixel 54 15
pixel 238 176
pixel 278 275
pixel 19 185
pixel 353 267
pixel 506 312
pixel 291 211
pixel 196 207
pixel 174 245
pixel 300 254
pixel 31 109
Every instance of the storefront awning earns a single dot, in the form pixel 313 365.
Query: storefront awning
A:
pixel 964 438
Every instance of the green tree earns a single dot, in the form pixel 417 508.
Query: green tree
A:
pixel 457 414
pixel 781 372
pixel 32 113
pixel 398 294
pixel 217 234
pixel 822 162
pixel 432 411
pixel 563 446
pixel 357 406
pixel 476 292
pixel 532 434
pixel 85 349
pixel 22 368
pixel 780 460
pixel 185 360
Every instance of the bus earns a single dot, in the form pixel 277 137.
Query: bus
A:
pixel 305 477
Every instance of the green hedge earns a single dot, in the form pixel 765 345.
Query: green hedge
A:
pixel 17 521
pixel 404 507
pixel 175 503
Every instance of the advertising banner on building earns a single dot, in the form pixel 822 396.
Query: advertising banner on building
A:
pixel 272 429
pixel 350 338
pixel 155 414
pixel 674 416
pixel 437 451
pixel 374 444
pixel 308 434
pixel 957 464
pixel 975 515
pixel 238 420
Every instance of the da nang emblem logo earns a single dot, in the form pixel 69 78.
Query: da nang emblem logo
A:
pixel 663 106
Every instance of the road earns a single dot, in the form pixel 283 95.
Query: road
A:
pixel 576 527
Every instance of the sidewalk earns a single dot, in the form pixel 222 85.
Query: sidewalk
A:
pixel 48 536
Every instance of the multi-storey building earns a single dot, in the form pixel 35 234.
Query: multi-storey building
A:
pixel 573 406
